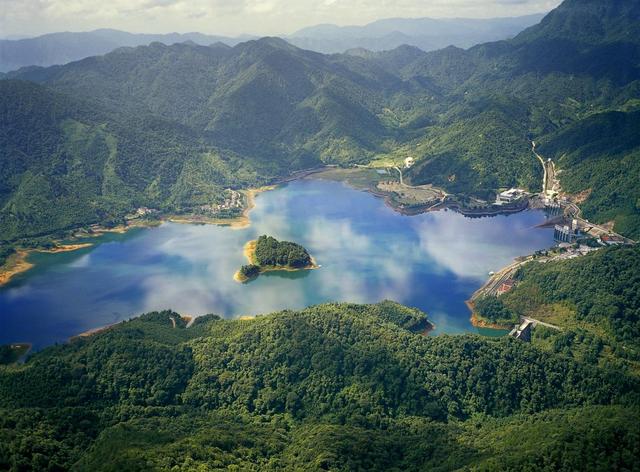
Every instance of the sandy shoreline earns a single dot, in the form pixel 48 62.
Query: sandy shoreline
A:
pixel 479 323
pixel 64 248
pixel 238 222
pixel 17 263
pixel 92 331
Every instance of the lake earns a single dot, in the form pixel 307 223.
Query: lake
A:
pixel 368 252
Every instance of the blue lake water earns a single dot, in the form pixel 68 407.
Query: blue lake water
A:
pixel 368 253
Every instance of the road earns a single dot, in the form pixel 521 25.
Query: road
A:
pixel 551 188
pixel 538 322
pixel 496 280
pixel 550 184
pixel 399 172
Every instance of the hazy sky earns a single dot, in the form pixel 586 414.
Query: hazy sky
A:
pixel 235 17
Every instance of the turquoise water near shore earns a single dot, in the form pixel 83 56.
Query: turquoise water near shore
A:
pixel 368 253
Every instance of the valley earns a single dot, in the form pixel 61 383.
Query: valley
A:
pixel 367 252
pixel 472 213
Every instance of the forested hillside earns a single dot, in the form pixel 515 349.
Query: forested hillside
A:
pixel 308 390
pixel 67 163
pixel 595 299
pixel 600 157
pixel 233 116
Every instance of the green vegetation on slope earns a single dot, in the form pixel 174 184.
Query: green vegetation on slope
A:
pixel 596 299
pixel 492 309
pixel 172 127
pixel 600 155
pixel 66 164
pixel 307 390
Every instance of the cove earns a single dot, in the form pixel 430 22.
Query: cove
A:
pixel 367 252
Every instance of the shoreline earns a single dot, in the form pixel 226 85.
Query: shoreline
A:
pixel 64 248
pixel 442 203
pixel 92 331
pixel 478 322
pixel 238 222
pixel 17 263
pixel 249 252
pixel 492 283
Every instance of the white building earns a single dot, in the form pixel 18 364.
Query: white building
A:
pixel 510 195
pixel 408 162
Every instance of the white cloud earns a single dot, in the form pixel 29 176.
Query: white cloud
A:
pixel 234 17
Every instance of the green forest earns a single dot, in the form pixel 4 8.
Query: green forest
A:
pixel 339 386
pixel 595 299
pixel 331 387
pixel 271 252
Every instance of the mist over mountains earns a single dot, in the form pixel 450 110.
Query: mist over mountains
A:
pixel 424 33
pixel 427 34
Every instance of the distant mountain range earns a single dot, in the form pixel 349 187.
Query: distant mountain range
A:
pixel 425 33
pixel 61 48
pixel 171 127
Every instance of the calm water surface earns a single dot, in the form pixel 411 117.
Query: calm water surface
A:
pixel 367 252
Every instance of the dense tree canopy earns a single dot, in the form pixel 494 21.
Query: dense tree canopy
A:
pixel 306 390
pixel 271 252
pixel 596 299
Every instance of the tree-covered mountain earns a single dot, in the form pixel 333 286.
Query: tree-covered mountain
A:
pixel 269 108
pixel 61 48
pixel 332 387
pixel 263 98
pixel 66 163
pixel 595 301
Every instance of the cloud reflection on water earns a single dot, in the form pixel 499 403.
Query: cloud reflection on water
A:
pixel 367 253
pixel 472 249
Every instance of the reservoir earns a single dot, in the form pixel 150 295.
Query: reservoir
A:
pixel 367 252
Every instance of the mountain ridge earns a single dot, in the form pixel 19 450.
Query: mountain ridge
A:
pixel 63 47
pixel 466 116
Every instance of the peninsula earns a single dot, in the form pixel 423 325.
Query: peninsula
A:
pixel 268 254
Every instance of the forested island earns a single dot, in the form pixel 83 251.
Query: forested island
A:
pixel 267 254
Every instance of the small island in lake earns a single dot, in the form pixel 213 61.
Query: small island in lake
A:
pixel 267 254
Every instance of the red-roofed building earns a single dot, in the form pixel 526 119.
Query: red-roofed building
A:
pixel 506 286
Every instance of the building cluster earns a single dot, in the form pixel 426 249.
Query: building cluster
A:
pixel 571 251
pixel 142 212
pixel 233 201
pixel 611 239
pixel 408 162
pixel 522 331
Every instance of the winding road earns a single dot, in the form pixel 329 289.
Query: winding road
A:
pixel 549 181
